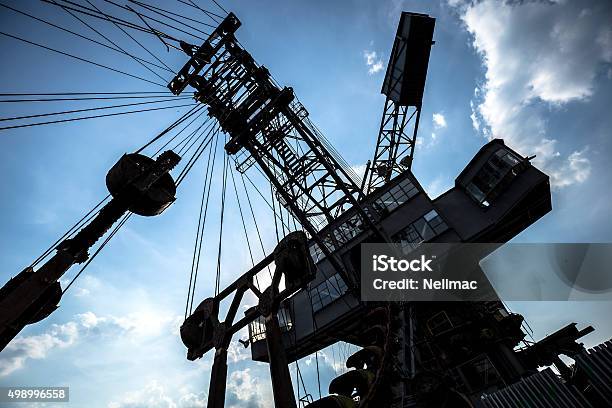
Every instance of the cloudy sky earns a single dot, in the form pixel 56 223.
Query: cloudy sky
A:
pixel 537 74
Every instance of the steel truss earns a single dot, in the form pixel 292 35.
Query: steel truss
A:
pixel 269 127
pixel 394 146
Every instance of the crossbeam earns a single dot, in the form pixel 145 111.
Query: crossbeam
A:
pixel 203 330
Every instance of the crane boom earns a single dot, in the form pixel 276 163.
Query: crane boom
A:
pixel 403 86
pixel 138 184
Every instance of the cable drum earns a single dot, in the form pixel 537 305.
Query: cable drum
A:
pixel 151 201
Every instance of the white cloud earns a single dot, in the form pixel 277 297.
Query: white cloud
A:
pixel 373 61
pixel 439 121
pixel 155 395
pixel 544 56
pixel 244 390
pixel 192 400
pixel 81 292
pixel 432 141
pixel 236 351
pixel 23 348
pixel 474 116
pixel 134 327
pixel 576 169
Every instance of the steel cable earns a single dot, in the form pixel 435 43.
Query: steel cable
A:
pixel 206 12
pixel 81 59
pixel 40 115
pixel 118 49
pixel 85 219
pixel 89 261
pixel 148 6
pixel 92 117
pixel 122 22
pixel 130 36
pixel 209 177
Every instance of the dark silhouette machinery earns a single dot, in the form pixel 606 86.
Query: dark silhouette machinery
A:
pixel 425 354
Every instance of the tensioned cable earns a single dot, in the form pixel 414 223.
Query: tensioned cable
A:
pixel 122 22
pixel 212 151
pixel 197 261
pixel 119 50
pixel 159 37
pixel 40 115
pixel 187 139
pixel 169 128
pixel 334 360
pixel 148 6
pixel 112 234
pixel 198 241
pixel 154 19
pixel 221 7
pixel 79 93
pixel 273 199
pixel 181 131
pixel 223 190
pixel 259 192
pixel 192 140
pixel 92 117
pixel 315 329
pixel 154 32
pixel 274 211
pixel 85 219
pixel 216 128
pixel 266 177
pixel 208 13
pixel 160 95
pixel 137 59
pixel 182 145
pixel 205 142
pixel 81 59
pixel 129 35
pixel 157 11
pixel 246 235
pixel 263 250
pixel 301 378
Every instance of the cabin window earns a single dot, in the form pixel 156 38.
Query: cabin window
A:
pixel 257 328
pixel 494 176
pixel 316 253
pixel 327 291
pixel 396 196
pixel 423 229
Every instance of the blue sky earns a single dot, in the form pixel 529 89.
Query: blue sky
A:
pixel 537 74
